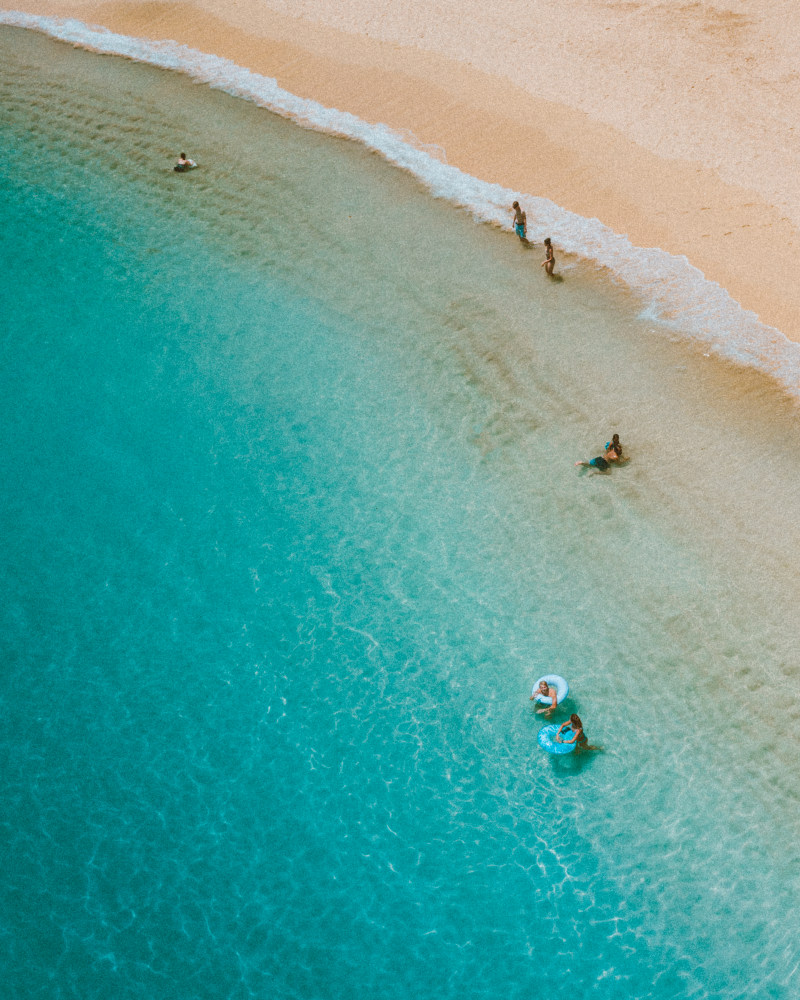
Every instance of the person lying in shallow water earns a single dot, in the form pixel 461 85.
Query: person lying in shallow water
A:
pixel 602 463
pixel 184 164
pixel 546 691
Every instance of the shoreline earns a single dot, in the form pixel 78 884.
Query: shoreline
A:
pixel 492 129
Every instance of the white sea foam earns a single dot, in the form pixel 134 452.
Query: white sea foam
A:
pixel 676 294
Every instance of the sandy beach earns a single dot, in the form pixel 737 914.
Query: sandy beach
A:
pixel 672 124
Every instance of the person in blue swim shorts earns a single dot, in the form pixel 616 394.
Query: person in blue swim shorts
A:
pixel 602 463
pixel 521 224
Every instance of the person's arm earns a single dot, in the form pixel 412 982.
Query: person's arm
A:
pixel 548 709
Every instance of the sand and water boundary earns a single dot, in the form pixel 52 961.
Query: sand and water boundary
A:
pixel 745 238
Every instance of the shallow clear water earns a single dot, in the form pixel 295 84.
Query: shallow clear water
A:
pixel 291 524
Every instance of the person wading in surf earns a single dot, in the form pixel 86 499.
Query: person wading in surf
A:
pixel 521 224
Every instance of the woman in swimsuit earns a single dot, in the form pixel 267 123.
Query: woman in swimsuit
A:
pixel 575 726
pixel 549 262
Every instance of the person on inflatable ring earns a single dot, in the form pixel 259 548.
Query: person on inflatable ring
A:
pixel 546 691
pixel 574 726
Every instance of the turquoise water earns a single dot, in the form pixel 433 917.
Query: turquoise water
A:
pixel 291 524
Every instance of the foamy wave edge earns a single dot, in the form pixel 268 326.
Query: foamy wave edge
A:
pixel 676 294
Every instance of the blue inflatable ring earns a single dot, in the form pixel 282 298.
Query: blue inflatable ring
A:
pixel 547 740
pixel 553 680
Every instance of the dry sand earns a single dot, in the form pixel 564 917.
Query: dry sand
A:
pixel 672 122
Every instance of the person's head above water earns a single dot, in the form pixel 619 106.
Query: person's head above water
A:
pixel 547 241
pixel 576 720
pixel 183 156
pixel 543 687
pixel 615 440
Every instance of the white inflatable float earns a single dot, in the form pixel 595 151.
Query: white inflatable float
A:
pixel 553 681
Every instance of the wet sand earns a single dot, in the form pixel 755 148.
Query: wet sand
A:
pixel 674 126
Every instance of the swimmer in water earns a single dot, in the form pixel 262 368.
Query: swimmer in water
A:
pixel 574 726
pixel 521 224
pixel 602 463
pixel 184 164
pixel 549 262
pixel 546 692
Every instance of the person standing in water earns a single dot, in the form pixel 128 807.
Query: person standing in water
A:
pixel 520 223
pixel 549 262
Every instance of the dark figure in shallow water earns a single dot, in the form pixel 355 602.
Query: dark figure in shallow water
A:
pixel 184 164
pixel 601 463
pixel 549 262
pixel 615 446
